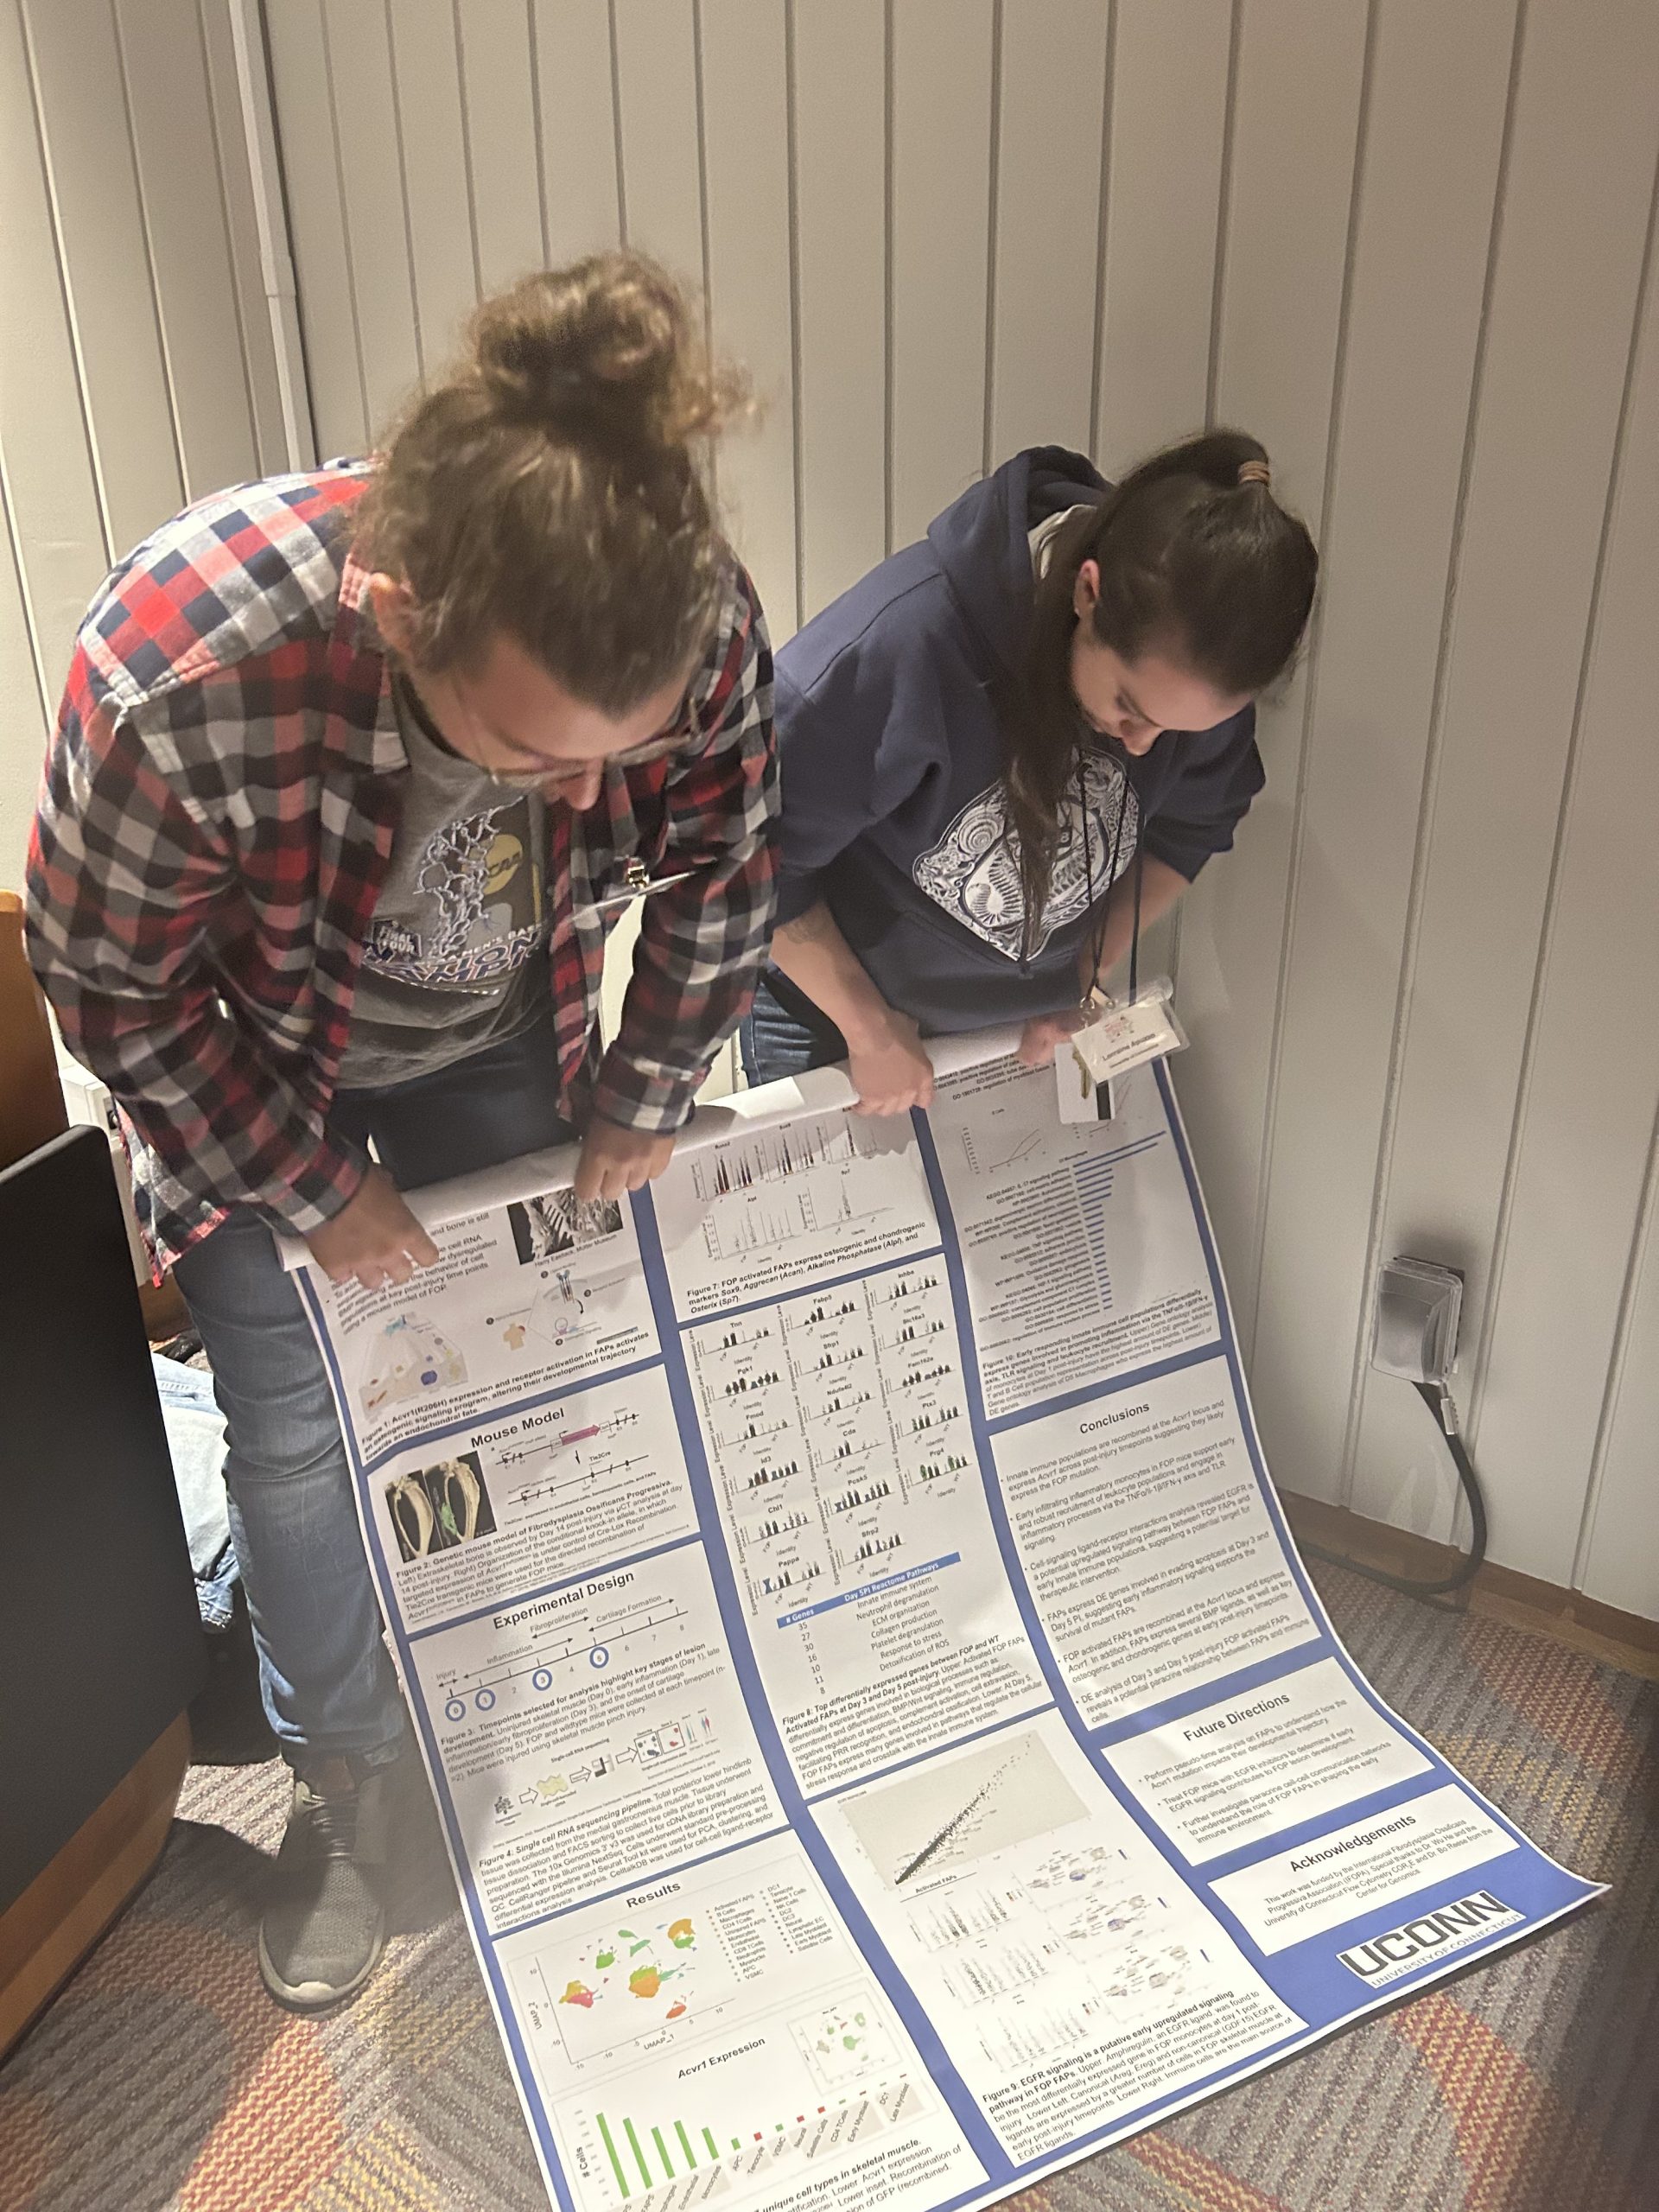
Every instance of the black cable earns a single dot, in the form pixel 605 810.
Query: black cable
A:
pixel 1439 1404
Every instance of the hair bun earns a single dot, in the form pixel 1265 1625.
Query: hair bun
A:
pixel 604 349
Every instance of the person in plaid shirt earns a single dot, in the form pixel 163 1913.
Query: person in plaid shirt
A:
pixel 353 771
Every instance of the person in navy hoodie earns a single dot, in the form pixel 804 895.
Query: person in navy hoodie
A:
pixel 1013 744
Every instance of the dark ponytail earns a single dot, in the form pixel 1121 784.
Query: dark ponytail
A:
pixel 1196 565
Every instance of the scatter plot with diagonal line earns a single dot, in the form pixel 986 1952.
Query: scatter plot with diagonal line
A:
pixel 1002 1793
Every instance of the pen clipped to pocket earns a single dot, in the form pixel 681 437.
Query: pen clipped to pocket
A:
pixel 636 882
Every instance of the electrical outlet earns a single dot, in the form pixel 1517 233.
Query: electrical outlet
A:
pixel 1418 1305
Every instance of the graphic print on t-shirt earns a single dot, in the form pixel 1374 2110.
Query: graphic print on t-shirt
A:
pixel 475 911
pixel 973 872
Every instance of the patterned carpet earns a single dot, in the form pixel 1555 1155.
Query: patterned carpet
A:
pixel 162 2079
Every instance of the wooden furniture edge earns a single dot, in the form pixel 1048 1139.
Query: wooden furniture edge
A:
pixel 31 1098
pixel 1584 1624
pixel 46 1933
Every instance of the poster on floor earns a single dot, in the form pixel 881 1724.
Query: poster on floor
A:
pixel 889 1746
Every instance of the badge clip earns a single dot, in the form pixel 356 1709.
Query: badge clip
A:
pixel 1123 1037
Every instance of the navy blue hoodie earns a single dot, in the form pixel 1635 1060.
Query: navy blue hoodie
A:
pixel 892 755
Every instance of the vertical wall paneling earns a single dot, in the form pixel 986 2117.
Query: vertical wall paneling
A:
pixel 105 264
pixel 940 229
pixel 1439 90
pixel 132 373
pixel 1163 197
pixel 840 109
pixel 942 103
pixel 437 188
pixel 256 282
pixel 577 117
pixel 746 154
pixel 1581 166
pixel 185 212
pixel 306 98
pixel 289 440
pixel 1619 1560
pixel 1300 64
pixel 1051 129
pixel 1165 139
pixel 1592 1074
pixel 662 169
pixel 503 121
pixel 1300 74
pixel 51 492
pixel 22 729
pixel 372 157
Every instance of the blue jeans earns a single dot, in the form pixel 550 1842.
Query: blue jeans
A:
pixel 326 1682
pixel 785 1034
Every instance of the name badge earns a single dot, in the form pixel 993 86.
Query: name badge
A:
pixel 1125 1037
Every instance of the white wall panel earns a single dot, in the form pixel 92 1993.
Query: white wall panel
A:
pixel 1619 1560
pixel 1428 194
pixel 105 267
pixel 185 216
pixel 131 377
pixel 1593 1069
pixel 1300 67
pixel 22 728
pixel 1582 168
pixel 499 104
pixel 1166 60
pixel 272 452
pixel 371 156
pixel 1051 127
pixel 577 117
pixel 840 275
pixel 660 92
pixel 747 159
pixel 437 188
pixel 941 106
pixel 899 212
pixel 307 95
pixel 51 490
pixel 1167 136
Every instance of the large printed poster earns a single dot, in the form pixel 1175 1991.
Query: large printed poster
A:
pixel 888 1742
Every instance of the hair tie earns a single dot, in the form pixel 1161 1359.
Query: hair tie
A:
pixel 1255 472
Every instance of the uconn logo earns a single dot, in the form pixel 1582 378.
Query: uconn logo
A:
pixel 1386 1957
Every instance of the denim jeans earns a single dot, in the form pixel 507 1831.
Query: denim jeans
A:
pixel 326 1682
pixel 195 1445
pixel 785 1034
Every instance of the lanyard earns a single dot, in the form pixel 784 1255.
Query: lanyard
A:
pixel 1099 940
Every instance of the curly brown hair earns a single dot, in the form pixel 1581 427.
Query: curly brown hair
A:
pixel 549 486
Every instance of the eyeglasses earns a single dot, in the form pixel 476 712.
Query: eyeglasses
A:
pixel 680 739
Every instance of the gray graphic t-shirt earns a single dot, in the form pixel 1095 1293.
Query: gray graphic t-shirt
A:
pixel 455 959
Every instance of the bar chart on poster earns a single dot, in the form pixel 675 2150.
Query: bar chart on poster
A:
pixel 888 1744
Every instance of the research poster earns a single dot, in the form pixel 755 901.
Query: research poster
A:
pixel 888 1742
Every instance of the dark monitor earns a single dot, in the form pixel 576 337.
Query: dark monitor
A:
pixel 100 1642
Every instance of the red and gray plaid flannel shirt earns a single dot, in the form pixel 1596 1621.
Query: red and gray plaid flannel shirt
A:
pixel 218 814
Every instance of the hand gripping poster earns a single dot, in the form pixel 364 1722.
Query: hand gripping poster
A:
pixel 888 1742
